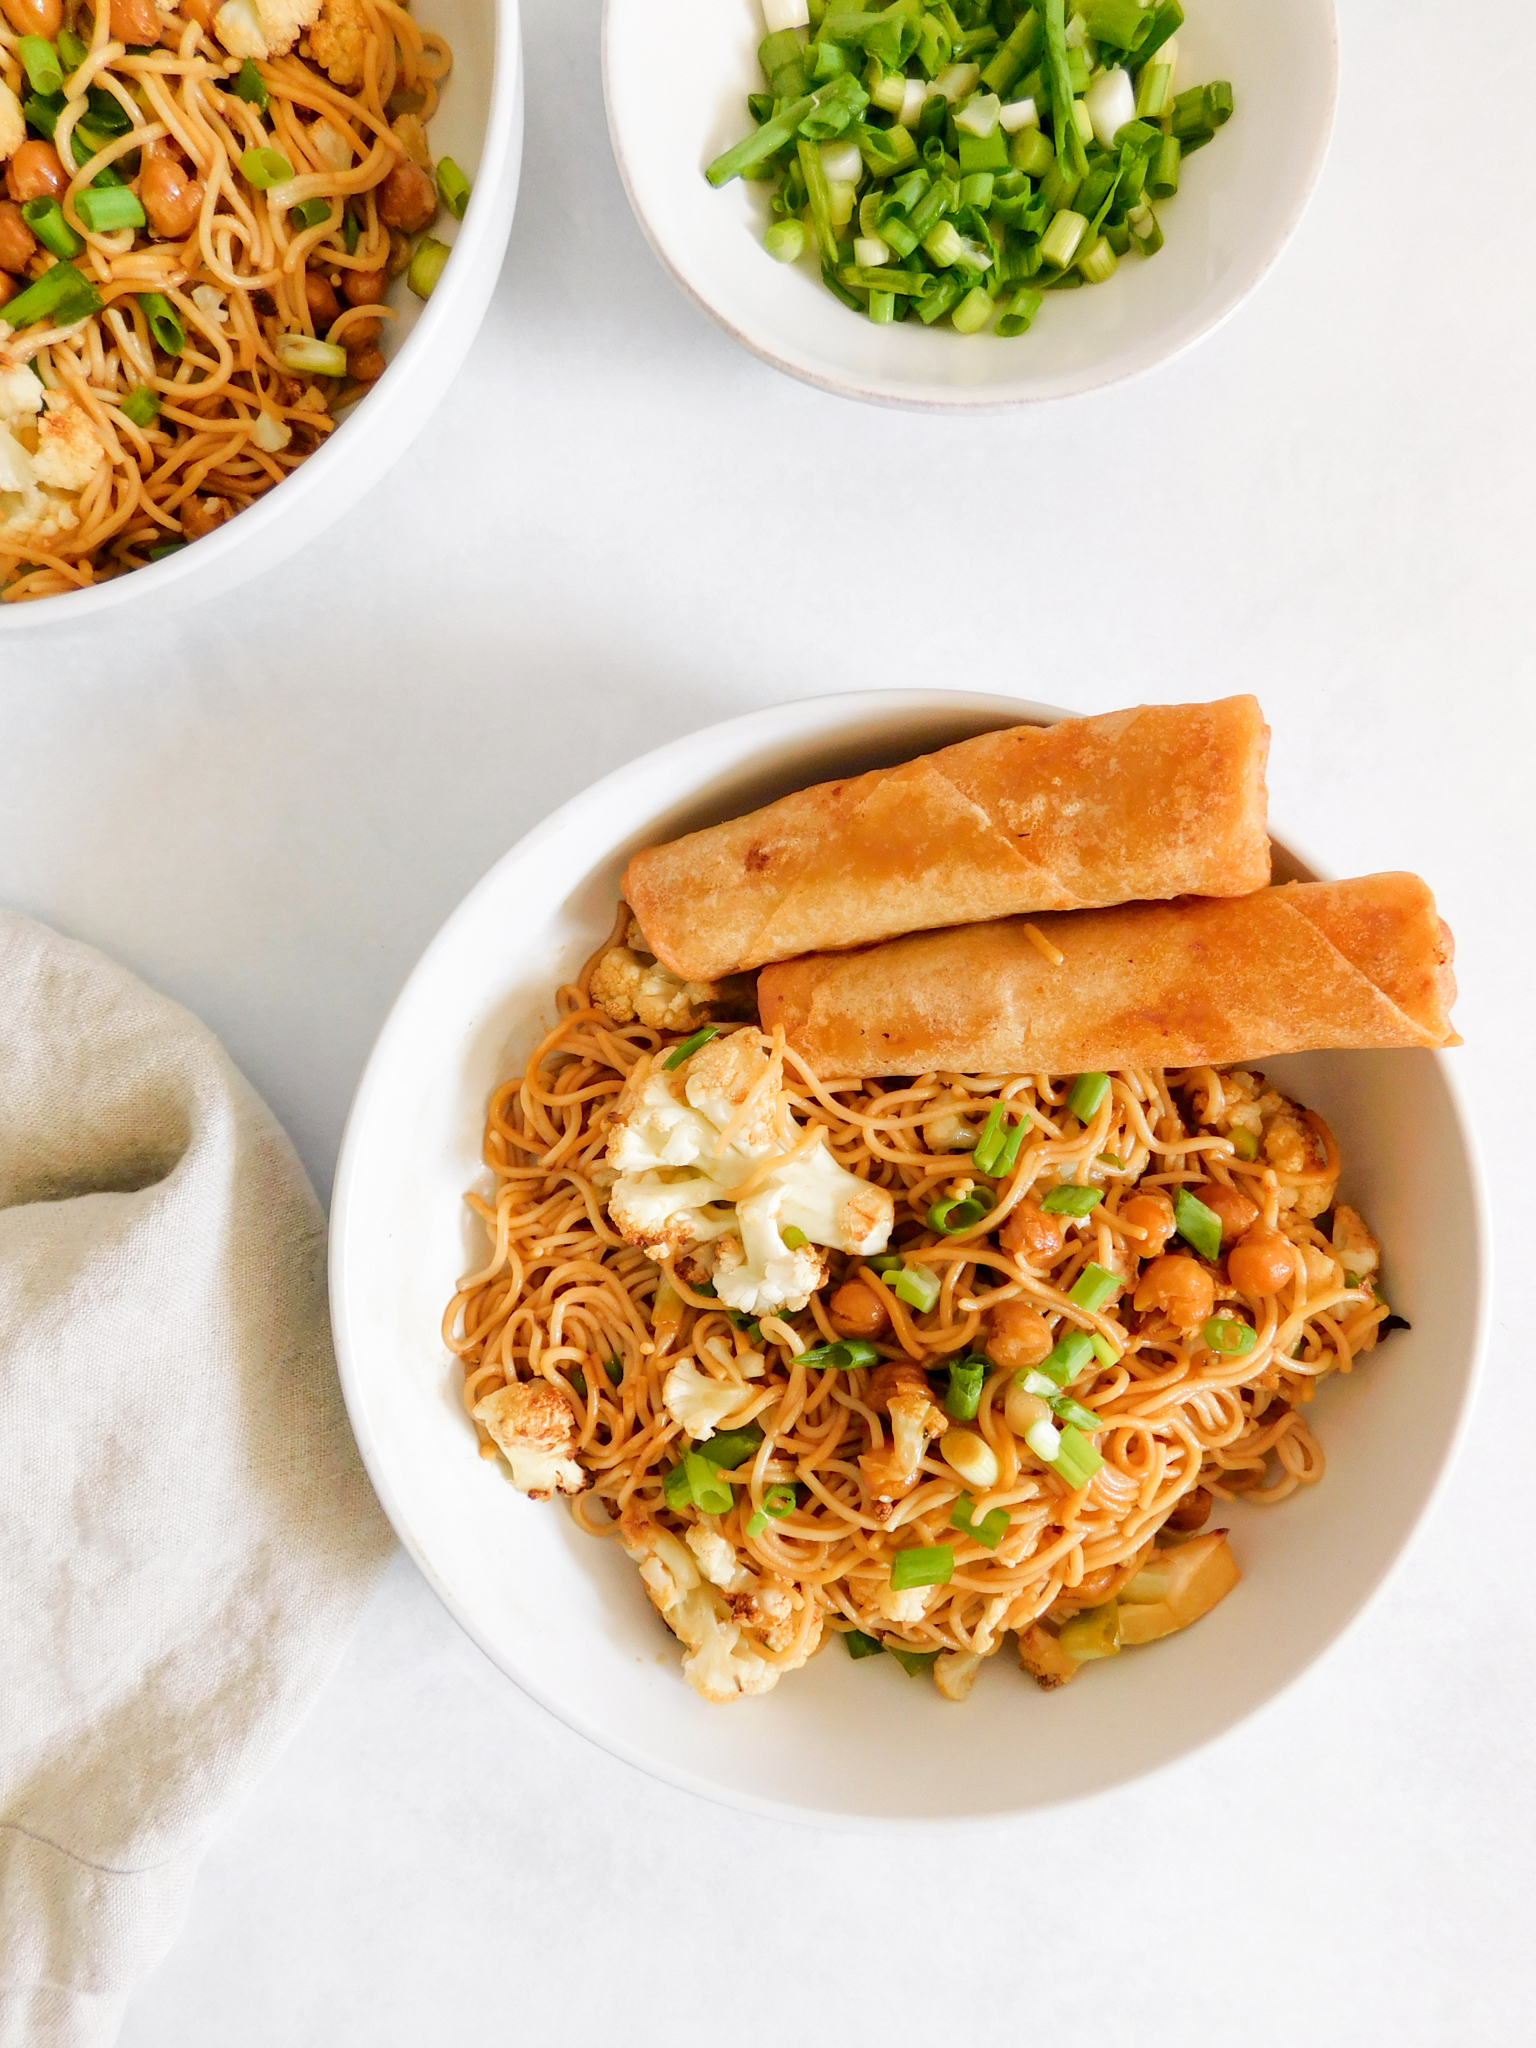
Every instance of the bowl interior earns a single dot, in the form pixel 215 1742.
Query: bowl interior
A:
pixel 678 73
pixel 564 1613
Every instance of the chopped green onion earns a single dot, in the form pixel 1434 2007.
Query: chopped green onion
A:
pixel 40 61
pixel 42 111
pixel 1018 314
pixel 164 322
pixel 1062 239
pixel 923 1565
pixel 1068 1410
pixel 579 1381
pixel 1098 262
pixel 959 1212
pixel 917 1286
pixel 427 267
pixel 1104 1351
pixel 728 1448
pixel 1244 1143
pixel 164 548
pixel 690 1046
pixel 1071 1354
pixel 1036 1383
pixel 1069 142
pixel 1088 1091
pixel 1044 1439
pixel 251 87
pixel 973 311
pixel 60 293
pixel 1197 1225
pixel 105 211
pixel 1093 1287
pixel 989 1145
pixel 988 1532
pixel 1163 178
pixel 351 231
pixel 913 1662
pixel 141 405
pixel 859 1645
pixel 1071 1200
pixel 963 1395
pixel 786 241
pixel 614 1367
pixel 1077 1460
pixel 72 51
pixel 779 1500
pixel 45 217
pixel 304 355
pixel 711 1494
pixel 849 1354
pixel 452 186
pixel 310 212
pixel 794 1237
pixel 886 1262
pixel 753 151
pixel 1235 1339
pixel 265 168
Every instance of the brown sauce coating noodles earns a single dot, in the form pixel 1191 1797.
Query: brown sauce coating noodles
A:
pixel 560 1294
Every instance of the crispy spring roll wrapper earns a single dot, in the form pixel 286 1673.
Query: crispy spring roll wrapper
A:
pixel 1309 966
pixel 1167 800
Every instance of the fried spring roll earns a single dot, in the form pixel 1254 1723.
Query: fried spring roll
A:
pixel 1167 800
pixel 1309 966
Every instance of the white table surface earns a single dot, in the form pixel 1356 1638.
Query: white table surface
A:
pixel 619 526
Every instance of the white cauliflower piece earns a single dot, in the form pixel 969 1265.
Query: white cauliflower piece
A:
pixel 1358 1251
pixel 534 1427
pixel 630 989
pixel 338 40
pixel 697 1402
pixel 263 28
pixel 68 452
pixel 903 1608
pixel 39 483
pixel 717 1560
pixel 13 123
pixel 954 1672
pixel 676 1180
pixel 720 1666
pixel 21 394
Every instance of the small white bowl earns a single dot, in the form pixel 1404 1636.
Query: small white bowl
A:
pixel 564 1613
pixel 677 73
pixel 479 123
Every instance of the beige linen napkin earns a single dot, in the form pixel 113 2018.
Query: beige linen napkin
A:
pixel 186 1534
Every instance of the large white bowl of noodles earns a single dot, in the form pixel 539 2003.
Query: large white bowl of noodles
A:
pixel 479 123
pixel 565 1615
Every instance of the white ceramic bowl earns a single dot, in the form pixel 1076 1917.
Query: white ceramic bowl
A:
pixel 479 123
pixel 677 73
pixel 564 1614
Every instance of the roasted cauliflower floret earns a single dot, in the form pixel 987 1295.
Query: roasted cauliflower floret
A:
pixel 263 28
pixel 49 452
pixel 954 1672
pixel 720 1665
pixel 717 1560
pixel 533 1426
pixel 338 40
pixel 1357 1250
pixel 677 1177
pixel 631 990
pixel 900 1391
pixel 68 452
pixel 697 1402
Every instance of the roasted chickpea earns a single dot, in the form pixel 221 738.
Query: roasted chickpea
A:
pixel 1262 1263
pixel 172 197
pixel 17 240
pixel 360 333
pixel 324 306
pixel 1154 1215
pixel 856 1311
pixel 1192 1512
pixel 362 287
pixel 1017 1335
pixel 407 199
pixel 36 17
pixel 1033 1235
pixel 135 21
pixel 365 365
pixel 200 11
pixel 200 516
pixel 1180 1287
pixel 34 172
pixel 1234 1210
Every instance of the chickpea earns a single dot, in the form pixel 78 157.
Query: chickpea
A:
pixel 854 1311
pixel 360 333
pixel 34 172
pixel 324 306
pixel 1234 1210
pixel 363 287
pixel 200 11
pixel 1180 1287
pixel 1262 1263
pixel 36 17
pixel 1033 1235
pixel 407 198
pixel 135 21
pixel 17 240
pixel 1154 1215
pixel 1018 1335
pixel 365 365
pixel 171 196
pixel 1192 1512
pixel 1022 1411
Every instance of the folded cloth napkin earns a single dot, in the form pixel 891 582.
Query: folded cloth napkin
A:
pixel 186 1533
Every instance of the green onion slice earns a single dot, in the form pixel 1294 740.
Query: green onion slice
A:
pixel 1088 1091
pixel 1197 1225
pixel 307 357
pixel 923 1565
pixel 141 405
pixel 711 1494
pixel 729 1448
pixel 1071 1200
pixel 164 548
pixel 917 1286
pixel 45 217
pixel 106 210
pixel 913 1662
pixel 452 186
pixel 989 1145
pixel 1093 1287
pixel 962 1397
pixel 310 212
pixel 427 266
pixel 579 1381
pixel 614 1367
pixel 164 322
pixel 779 1500
pixel 847 1355
pixel 251 87
pixel 40 61
pixel 1067 1410
pixel 794 1237
pixel 886 1262
pixel 265 168
pixel 860 1645
pixel 1244 1143
pixel 690 1046
pixel 988 1532
pixel 72 51
pixel 61 294
pixel 959 1212
pixel 1071 1354
pixel 1104 1351
pixel 1233 1338
pixel 1077 1460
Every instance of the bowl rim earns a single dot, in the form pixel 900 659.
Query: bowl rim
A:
pixel 1247 279
pixel 443 315
pixel 804 719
